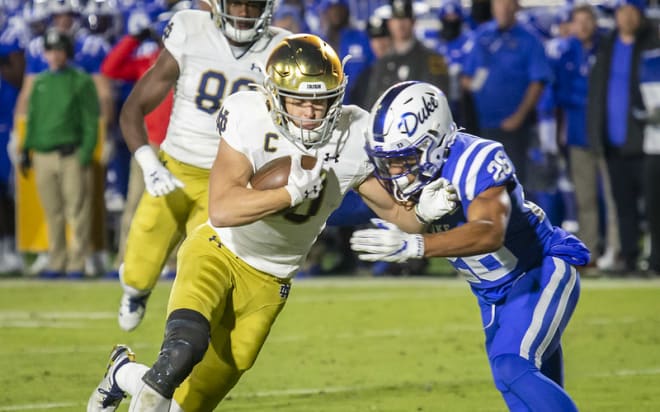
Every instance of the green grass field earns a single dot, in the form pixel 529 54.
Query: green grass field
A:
pixel 340 345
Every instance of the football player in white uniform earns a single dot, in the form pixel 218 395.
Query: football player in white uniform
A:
pixel 206 57
pixel 235 272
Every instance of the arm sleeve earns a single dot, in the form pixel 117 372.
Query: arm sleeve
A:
pixel 89 118
pixel 119 63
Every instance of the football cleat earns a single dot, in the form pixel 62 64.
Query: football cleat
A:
pixel 131 311
pixel 108 395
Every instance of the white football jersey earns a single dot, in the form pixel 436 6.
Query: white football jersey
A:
pixel 208 73
pixel 279 243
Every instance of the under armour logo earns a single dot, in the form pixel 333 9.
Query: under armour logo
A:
pixel 216 240
pixel 328 157
pixel 284 290
pixel 315 190
pixel 255 68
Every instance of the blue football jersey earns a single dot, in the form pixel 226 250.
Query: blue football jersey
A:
pixel 474 165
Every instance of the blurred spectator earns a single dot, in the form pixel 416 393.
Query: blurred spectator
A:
pixel 480 12
pixel 11 72
pixel 562 22
pixel 614 130
pixel 122 63
pixel 290 18
pixel 346 40
pixel 89 50
pixel 650 86
pixel 61 134
pixel 381 45
pixel 453 37
pixel 506 71
pixel 409 59
pixel 572 64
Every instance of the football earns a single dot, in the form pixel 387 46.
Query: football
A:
pixel 275 174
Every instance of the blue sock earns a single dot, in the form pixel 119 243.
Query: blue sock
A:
pixel 525 388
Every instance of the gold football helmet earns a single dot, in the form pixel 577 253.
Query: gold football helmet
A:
pixel 241 29
pixel 305 67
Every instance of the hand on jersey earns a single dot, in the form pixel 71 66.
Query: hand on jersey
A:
pixel 438 198
pixel 157 179
pixel 304 184
pixel 387 243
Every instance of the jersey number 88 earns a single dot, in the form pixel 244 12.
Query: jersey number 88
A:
pixel 211 90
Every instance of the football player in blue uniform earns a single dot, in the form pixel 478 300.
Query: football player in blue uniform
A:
pixel 521 269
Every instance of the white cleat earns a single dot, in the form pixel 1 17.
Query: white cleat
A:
pixel 108 395
pixel 131 311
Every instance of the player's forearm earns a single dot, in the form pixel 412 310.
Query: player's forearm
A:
pixel 473 238
pixel 131 121
pixel 240 206
pixel 404 218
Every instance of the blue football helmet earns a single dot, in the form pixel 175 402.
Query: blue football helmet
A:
pixel 410 131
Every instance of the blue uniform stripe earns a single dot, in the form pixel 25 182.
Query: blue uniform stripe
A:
pixel 553 302
pixel 476 167
pixel 383 108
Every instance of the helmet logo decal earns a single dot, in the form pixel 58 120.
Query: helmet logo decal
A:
pixel 410 120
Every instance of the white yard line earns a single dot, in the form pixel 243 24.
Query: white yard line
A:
pixel 311 391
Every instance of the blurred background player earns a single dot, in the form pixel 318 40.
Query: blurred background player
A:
pixel 520 267
pixel 207 56
pixel 124 63
pixel 235 271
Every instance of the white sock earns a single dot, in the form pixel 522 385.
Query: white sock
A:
pixel 129 377
pixel 148 400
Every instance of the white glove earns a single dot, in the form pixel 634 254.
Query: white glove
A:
pixel 387 243
pixel 157 179
pixel 437 199
pixel 304 184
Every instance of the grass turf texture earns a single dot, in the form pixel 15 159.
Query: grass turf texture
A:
pixel 340 345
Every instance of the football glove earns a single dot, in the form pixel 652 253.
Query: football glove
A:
pixel 438 198
pixel 304 184
pixel 386 243
pixel 157 179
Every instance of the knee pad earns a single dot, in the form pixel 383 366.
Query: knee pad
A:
pixel 185 343
pixel 508 368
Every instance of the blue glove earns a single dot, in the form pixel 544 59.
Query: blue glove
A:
pixel 387 243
